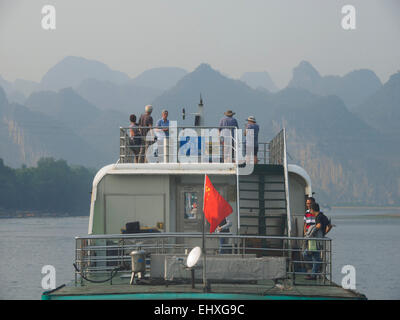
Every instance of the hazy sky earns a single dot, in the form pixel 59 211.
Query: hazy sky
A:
pixel 234 36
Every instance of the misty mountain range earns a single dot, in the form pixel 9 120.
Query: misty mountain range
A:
pixel 342 129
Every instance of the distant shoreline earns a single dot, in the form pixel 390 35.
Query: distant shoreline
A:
pixel 30 214
pixel 40 217
pixel 35 214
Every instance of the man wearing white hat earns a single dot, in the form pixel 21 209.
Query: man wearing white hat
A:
pixel 252 125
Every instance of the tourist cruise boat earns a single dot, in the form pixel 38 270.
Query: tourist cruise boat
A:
pixel 147 238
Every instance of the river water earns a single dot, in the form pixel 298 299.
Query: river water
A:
pixel 368 239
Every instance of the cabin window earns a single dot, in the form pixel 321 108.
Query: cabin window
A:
pixel 191 205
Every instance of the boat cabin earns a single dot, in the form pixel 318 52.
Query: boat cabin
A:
pixel 167 195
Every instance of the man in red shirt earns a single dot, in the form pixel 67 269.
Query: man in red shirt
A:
pixel 322 227
pixel 309 218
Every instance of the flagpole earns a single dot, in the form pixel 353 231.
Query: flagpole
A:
pixel 203 241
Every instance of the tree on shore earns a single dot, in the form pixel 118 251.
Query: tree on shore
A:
pixel 51 186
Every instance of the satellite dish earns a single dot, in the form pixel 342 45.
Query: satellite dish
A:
pixel 193 257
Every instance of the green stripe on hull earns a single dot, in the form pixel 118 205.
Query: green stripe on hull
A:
pixel 182 296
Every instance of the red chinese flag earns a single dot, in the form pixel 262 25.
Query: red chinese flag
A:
pixel 215 207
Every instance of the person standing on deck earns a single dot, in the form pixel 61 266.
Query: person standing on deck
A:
pixel 252 125
pixel 309 218
pixel 145 120
pixel 223 227
pixel 162 132
pixel 163 122
pixel 228 121
pixel 319 230
pixel 322 223
pixel 134 138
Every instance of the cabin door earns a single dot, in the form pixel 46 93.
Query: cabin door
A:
pixel 190 209
pixel 190 213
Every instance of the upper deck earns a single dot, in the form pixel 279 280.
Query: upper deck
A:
pixel 195 145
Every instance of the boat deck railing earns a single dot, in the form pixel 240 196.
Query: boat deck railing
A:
pixel 104 254
pixel 189 144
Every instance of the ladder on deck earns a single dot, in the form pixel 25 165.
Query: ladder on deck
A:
pixel 263 204
pixel 264 196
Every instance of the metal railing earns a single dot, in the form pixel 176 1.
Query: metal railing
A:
pixel 263 153
pixel 277 148
pixel 103 254
pixel 185 144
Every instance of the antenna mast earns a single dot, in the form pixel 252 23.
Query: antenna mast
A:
pixel 199 119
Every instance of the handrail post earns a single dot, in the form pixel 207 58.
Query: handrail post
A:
pixel 265 153
pixel 237 183
pixel 324 261
pixel 330 260
pixel 121 138
pixel 286 174
pixel 76 253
